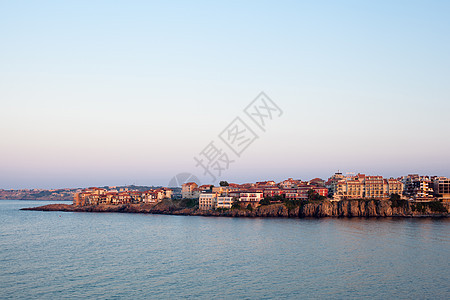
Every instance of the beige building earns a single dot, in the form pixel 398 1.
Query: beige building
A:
pixel 207 201
pixel 362 186
pixel 189 190
pixel 224 202
pixel 373 187
pixel 393 186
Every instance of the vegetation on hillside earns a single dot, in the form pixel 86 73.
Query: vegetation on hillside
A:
pixel 434 206
pixel 396 201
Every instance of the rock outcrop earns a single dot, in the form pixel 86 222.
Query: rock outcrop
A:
pixel 320 209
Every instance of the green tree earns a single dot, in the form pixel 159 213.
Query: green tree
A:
pixel 236 204
pixel 265 201
pixel 250 207
pixel 396 201
pixel 313 195
pixel 394 197
pixel 223 183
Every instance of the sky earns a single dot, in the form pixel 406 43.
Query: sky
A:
pixel 96 93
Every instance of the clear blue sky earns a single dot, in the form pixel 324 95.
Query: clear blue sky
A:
pixel 118 92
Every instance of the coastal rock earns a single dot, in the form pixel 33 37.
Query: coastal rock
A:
pixel 319 209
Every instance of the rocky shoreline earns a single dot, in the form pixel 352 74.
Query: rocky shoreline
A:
pixel 319 209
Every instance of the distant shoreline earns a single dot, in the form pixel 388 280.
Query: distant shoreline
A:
pixel 346 208
pixel 40 200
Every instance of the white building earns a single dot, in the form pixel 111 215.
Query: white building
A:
pixel 251 197
pixel 224 202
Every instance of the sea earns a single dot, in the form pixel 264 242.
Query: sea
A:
pixel 74 255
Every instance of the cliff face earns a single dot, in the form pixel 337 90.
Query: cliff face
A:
pixel 356 208
pixel 346 208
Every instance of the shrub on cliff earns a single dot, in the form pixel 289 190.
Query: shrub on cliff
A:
pixel 221 209
pixel 185 203
pixel 396 201
pixel 265 201
pixel 276 198
pixel 236 205
pixel 434 206
pixel 314 196
pixel 291 204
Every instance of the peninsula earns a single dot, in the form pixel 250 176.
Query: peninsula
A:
pixel 340 196
pixel 316 209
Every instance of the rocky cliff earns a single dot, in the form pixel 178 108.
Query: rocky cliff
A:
pixel 346 208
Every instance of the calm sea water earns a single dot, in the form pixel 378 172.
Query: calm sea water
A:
pixel 57 255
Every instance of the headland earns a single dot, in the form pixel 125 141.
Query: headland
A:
pixel 303 209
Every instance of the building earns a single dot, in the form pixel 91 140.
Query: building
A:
pixel 254 197
pixel 90 196
pixel 317 182
pixel 224 201
pixel 289 183
pixel 419 188
pixel 207 201
pixel 409 184
pixel 349 188
pixel 442 188
pixel 225 190
pixel 111 198
pixel 265 183
pixel 302 192
pixel 373 187
pixel 99 196
pixel 331 183
pixel 77 199
pixel 272 192
pixel 393 187
pixel 189 190
pixel 361 186
pixel 168 193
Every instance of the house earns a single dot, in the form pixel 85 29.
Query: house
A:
pixel 289 183
pixel 189 190
pixel 317 182
pixel 168 193
pixel 111 198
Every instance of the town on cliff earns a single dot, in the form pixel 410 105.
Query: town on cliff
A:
pixel 290 192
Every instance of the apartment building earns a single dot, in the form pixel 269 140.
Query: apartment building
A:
pixel 350 188
pixel 251 196
pixel 189 190
pixel 207 201
pixel 331 183
pixel 442 188
pixel 302 192
pixel 418 187
pixel 393 186
pixel 224 201
pixel 362 186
